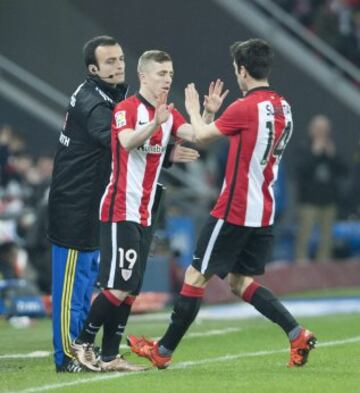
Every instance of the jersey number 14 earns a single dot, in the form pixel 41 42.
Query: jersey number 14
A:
pixel 276 149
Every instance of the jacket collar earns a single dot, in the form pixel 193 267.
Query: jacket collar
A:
pixel 117 93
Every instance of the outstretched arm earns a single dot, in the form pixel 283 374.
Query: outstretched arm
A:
pixel 131 139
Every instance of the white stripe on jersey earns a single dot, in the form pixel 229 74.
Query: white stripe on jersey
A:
pixel 113 255
pixel 255 197
pixel 210 246
pixel 271 189
pixel 288 120
pixel 166 128
pixel 136 166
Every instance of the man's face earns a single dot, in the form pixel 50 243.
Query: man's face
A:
pixel 157 78
pixel 110 61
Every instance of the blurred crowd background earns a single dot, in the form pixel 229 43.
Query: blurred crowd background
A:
pixel 318 190
pixel 337 22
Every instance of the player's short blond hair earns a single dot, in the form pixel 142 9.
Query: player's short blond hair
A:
pixel 152 55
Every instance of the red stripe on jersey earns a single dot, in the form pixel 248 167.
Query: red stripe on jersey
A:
pixel 236 203
pixel 121 188
pixel 249 142
pixel 268 201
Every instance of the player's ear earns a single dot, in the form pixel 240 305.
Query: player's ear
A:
pixel 141 76
pixel 92 69
pixel 243 71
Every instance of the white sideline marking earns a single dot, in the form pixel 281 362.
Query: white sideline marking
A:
pixel 214 332
pixel 181 365
pixel 44 354
pixel 36 354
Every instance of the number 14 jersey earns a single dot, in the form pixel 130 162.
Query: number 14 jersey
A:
pixel 259 127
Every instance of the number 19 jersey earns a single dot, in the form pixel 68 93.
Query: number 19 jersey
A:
pixel 259 127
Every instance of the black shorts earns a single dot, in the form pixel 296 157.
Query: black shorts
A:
pixel 124 249
pixel 225 248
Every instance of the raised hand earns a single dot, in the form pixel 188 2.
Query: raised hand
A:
pixel 215 97
pixel 162 109
pixel 192 103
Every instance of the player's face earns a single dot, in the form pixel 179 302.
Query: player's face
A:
pixel 110 61
pixel 157 78
pixel 240 76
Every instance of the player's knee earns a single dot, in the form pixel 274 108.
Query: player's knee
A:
pixel 130 299
pixel 239 284
pixel 117 293
pixel 195 278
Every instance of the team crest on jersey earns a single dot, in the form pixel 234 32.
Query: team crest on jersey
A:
pixel 120 119
pixel 126 274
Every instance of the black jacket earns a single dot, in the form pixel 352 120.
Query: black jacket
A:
pixel 318 178
pixel 82 165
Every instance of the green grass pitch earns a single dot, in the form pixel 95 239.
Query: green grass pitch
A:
pixel 216 356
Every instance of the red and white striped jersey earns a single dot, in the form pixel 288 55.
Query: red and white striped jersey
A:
pixel 130 193
pixel 259 127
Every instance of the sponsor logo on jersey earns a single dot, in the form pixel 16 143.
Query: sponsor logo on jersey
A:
pixel 152 149
pixel 120 119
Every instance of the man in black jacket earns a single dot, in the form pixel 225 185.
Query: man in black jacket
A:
pixel 319 172
pixel 81 168
pixel 81 172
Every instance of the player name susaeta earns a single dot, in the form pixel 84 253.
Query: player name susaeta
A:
pixel 154 149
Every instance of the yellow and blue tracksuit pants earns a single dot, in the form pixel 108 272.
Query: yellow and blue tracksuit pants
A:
pixel 74 274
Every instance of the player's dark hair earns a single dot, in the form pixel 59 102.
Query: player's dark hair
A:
pixel 90 47
pixel 255 55
pixel 155 55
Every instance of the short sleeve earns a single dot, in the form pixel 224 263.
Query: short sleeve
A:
pixel 234 119
pixel 124 116
pixel 178 120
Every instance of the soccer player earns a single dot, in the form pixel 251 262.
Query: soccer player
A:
pixel 141 129
pixel 236 240
pixel 81 171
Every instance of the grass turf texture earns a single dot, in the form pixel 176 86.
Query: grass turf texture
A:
pixel 330 369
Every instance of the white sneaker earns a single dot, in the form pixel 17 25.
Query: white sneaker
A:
pixel 120 364
pixel 85 355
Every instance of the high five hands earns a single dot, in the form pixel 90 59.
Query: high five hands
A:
pixel 162 109
pixel 215 98
pixel 212 101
